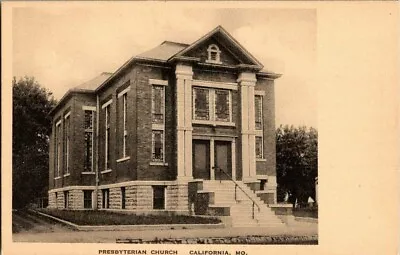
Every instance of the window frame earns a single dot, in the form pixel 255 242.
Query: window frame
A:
pixel 123 197
pixel 158 127
pixel 212 105
pixel 213 49
pixel 107 135
pixel 259 132
pixel 164 197
pixel 91 132
pixel 105 198
pixel 57 148
pixel 124 95
pixel 85 199
pixel 66 199
pixel 66 140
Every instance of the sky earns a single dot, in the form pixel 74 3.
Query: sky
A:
pixel 63 47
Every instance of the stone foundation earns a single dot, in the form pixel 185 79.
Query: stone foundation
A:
pixel 138 197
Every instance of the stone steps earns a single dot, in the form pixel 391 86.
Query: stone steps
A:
pixel 241 209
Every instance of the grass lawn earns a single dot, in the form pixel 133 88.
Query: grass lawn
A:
pixel 114 218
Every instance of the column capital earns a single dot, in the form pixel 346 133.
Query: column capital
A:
pixel 183 71
pixel 246 78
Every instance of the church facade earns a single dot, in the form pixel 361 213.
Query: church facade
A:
pixel 167 131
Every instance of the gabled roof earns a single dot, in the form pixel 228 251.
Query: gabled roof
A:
pixel 220 32
pixel 163 52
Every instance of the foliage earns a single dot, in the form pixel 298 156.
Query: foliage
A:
pixel 94 218
pixel 30 140
pixel 297 162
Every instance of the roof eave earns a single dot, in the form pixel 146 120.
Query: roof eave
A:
pixel 126 65
pixel 268 75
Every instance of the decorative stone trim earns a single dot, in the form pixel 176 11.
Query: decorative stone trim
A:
pixel 88 173
pixel 72 188
pixel 106 104
pixel 218 85
pixel 58 177
pixel 89 108
pixel 158 164
pixel 123 159
pixel 68 174
pixel 123 92
pixel 158 82
pixel 67 115
pixel 259 92
pixel 106 171
pixel 214 123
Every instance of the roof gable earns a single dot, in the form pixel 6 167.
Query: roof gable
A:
pixel 232 52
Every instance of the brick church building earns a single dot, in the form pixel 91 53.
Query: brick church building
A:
pixel 179 129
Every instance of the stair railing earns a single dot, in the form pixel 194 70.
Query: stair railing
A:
pixel 221 171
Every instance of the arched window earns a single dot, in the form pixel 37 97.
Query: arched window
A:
pixel 213 54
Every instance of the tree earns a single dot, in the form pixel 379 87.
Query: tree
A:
pixel 297 162
pixel 30 140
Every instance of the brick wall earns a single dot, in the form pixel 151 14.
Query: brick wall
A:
pixel 269 166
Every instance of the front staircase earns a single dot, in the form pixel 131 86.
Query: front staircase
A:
pixel 242 204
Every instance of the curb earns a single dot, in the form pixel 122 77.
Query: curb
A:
pixel 133 227
pixel 306 219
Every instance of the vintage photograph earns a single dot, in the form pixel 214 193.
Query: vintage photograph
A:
pixel 144 123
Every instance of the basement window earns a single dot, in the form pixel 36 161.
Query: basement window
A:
pixel 105 198
pixel 87 199
pixel 159 197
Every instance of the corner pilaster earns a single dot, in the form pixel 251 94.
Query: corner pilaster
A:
pixel 247 82
pixel 184 77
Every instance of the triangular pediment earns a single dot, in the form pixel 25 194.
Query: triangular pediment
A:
pixel 230 51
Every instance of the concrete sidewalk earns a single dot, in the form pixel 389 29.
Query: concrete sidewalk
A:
pixel 297 228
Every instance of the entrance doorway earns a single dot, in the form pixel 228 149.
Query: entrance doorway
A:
pixel 201 159
pixel 223 160
pixel 209 156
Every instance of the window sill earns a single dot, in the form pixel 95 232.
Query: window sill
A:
pixel 158 164
pixel 68 174
pixel 213 123
pixel 106 171
pixel 58 177
pixel 123 159
pixel 261 160
pixel 88 173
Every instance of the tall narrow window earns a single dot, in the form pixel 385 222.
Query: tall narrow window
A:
pixel 87 199
pixel 259 147
pixel 158 104
pixel 88 157
pixel 201 98
pixel 158 146
pixel 158 121
pixel 222 112
pixel 107 136
pixel 57 149
pixel 125 131
pixel 66 142
pixel 258 112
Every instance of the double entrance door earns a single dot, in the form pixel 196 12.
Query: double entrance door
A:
pixel 209 156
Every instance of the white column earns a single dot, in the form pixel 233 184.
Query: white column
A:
pixel 247 82
pixel 244 131
pixel 184 76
